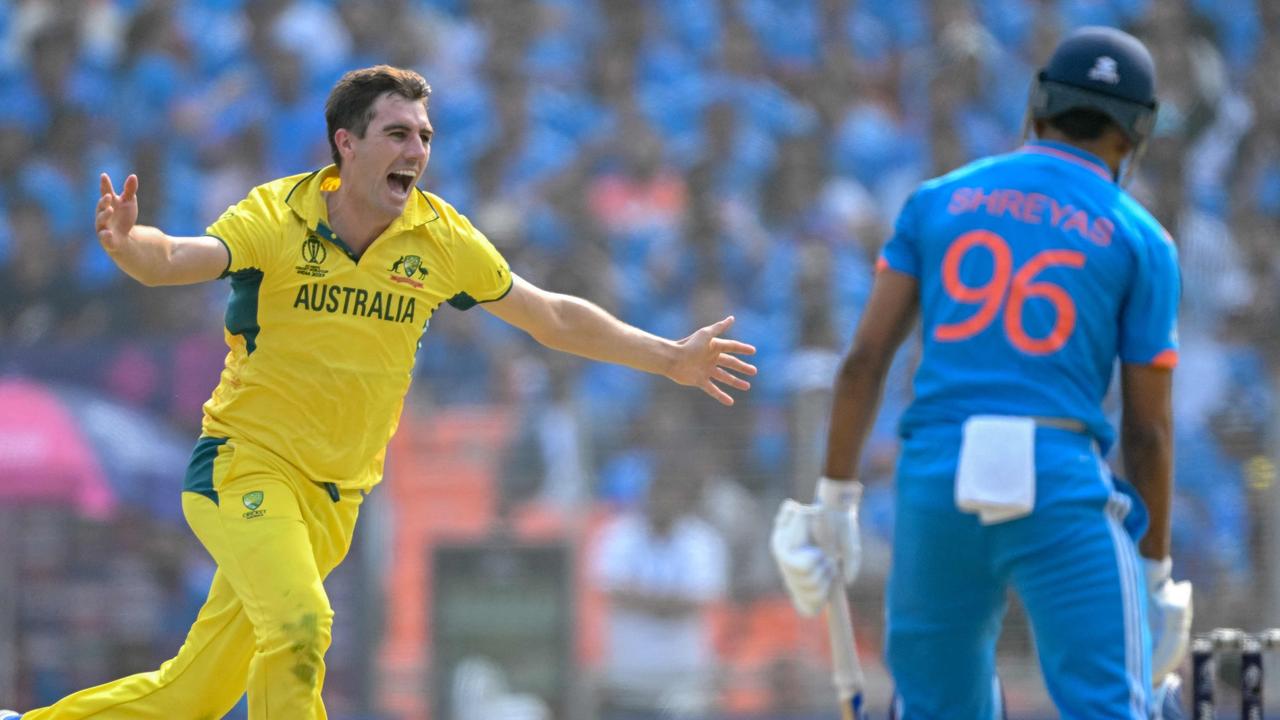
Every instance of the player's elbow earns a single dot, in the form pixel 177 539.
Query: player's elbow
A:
pixel 552 322
pixel 1145 435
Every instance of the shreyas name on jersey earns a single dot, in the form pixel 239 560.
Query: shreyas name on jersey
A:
pixel 340 299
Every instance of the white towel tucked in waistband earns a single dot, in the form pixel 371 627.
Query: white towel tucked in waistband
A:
pixel 996 477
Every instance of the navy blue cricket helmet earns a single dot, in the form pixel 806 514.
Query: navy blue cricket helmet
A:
pixel 1102 69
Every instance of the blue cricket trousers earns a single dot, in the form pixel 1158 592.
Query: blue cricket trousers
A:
pixel 1073 563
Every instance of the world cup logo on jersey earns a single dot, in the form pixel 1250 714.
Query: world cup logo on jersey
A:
pixel 314 251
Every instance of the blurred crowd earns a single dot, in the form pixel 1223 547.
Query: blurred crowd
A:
pixel 673 161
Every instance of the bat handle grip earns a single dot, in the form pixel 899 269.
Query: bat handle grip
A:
pixel 846 670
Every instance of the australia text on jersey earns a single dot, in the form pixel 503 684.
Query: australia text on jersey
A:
pixel 325 297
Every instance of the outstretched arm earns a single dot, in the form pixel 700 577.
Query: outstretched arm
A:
pixel 147 254
pixel 573 325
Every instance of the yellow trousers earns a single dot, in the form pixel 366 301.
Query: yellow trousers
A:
pixel 267 621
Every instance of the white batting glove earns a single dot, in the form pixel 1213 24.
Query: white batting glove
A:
pixel 806 561
pixel 839 498
pixel 1169 613
pixel 805 569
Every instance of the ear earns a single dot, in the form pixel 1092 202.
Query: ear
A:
pixel 344 140
pixel 1120 141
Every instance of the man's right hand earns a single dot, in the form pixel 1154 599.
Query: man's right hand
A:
pixel 117 214
pixel 707 361
pixel 809 542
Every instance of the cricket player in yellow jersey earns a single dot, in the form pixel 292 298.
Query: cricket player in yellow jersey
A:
pixel 334 276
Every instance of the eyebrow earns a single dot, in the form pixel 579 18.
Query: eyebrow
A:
pixel 406 128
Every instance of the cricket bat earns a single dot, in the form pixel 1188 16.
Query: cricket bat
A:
pixel 846 671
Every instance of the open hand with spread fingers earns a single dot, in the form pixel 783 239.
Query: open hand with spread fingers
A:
pixel 117 214
pixel 706 360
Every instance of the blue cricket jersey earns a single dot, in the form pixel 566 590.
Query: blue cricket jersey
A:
pixel 1036 272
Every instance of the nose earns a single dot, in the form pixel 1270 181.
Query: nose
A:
pixel 417 149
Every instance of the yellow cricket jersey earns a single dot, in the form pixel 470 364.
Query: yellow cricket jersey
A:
pixel 322 344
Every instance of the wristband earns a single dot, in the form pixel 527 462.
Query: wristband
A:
pixel 1157 571
pixel 838 493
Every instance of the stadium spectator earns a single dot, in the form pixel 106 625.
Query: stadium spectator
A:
pixel 662 568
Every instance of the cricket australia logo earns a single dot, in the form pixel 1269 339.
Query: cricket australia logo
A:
pixel 314 253
pixel 408 267
pixel 1105 70
pixel 253 500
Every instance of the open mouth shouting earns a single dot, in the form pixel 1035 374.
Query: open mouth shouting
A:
pixel 401 182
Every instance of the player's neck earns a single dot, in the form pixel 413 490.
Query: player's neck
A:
pixel 1105 147
pixel 357 224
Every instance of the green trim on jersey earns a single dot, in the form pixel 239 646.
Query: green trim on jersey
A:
pixel 199 477
pixel 242 308
pixel 429 204
pixel 324 231
pixel 463 301
pixel 299 184
pixel 226 270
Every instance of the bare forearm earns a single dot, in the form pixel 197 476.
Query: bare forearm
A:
pixel 1146 446
pixel 704 359
pixel 1148 453
pixel 153 257
pixel 147 257
pixel 583 328
pixel 853 410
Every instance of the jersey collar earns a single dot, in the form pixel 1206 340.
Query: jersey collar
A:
pixel 306 199
pixel 1071 154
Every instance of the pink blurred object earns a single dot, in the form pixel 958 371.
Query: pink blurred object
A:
pixel 44 458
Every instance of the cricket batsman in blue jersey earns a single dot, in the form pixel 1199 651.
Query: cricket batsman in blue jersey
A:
pixel 1031 273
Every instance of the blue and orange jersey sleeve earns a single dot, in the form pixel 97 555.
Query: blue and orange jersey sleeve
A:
pixel 1149 318
pixel 902 251
pixel 247 228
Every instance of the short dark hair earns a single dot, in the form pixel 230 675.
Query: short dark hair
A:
pixel 1082 123
pixel 350 103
